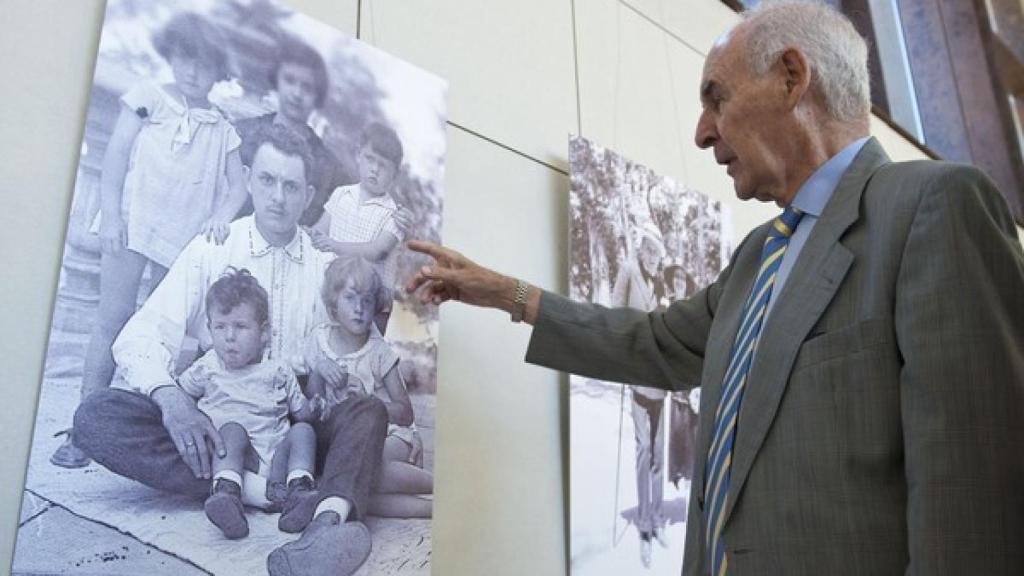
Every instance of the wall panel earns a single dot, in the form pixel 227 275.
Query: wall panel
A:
pixel 499 458
pixel 697 22
pixel 639 96
pixel 509 64
pixel 40 131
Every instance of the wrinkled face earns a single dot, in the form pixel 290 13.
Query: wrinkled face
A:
pixel 743 120
pixel 296 91
pixel 238 337
pixel 277 183
pixel 376 173
pixel 194 77
pixel 354 309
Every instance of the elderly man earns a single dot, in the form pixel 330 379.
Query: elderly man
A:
pixel 157 436
pixel 860 359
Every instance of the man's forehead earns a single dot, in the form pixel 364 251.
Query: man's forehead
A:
pixel 268 157
pixel 721 55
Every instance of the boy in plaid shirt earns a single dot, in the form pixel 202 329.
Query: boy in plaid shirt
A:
pixel 363 219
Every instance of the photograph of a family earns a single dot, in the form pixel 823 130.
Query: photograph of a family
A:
pixel 640 240
pixel 235 382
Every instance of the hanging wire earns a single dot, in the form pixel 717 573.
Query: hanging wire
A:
pixel 672 94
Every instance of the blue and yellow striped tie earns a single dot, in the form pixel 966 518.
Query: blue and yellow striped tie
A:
pixel 716 484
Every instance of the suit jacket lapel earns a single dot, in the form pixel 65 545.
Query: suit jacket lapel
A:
pixel 720 342
pixel 813 282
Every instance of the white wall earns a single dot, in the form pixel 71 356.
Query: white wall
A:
pixel 524 74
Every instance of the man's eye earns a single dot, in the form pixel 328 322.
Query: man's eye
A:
pixel 266 179
pixel 291 187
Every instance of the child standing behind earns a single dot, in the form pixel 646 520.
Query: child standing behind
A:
pixel 346 357
pixel 171 171
pixel 363 219
pixel 249 400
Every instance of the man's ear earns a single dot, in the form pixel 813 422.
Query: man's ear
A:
pixel 310 194
pixel 797 75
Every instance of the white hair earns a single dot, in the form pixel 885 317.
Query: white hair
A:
pixel 837 54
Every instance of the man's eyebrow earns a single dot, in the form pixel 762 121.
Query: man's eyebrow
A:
pixel 708 89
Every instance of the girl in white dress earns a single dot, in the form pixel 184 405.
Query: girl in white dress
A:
pixel 348 356
pixel 171 170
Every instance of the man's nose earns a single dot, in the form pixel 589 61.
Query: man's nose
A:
pixel 706 134
pixel 229 334
pixel 277 192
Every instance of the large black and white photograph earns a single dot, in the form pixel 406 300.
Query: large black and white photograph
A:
pixel 640 240
pixel 235 381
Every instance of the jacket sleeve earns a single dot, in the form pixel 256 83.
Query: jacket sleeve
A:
pixel 959 310
pixel 662 349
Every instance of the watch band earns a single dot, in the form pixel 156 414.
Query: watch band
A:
pixel 519 303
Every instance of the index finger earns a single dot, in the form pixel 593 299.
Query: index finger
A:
pixel 430 249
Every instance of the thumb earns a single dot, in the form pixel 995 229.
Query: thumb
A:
pixel 440 273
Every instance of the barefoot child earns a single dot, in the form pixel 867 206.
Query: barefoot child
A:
pixel 249 400
pixel 171 171
pixel 347 357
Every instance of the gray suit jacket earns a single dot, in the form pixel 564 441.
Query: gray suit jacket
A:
pixel 882 426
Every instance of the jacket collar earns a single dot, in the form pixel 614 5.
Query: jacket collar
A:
pixel 816 276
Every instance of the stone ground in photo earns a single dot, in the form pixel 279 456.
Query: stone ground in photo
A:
pixel 80 521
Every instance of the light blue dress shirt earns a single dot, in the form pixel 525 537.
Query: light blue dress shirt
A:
pixel 811 199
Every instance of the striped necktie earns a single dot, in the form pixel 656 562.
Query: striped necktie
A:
pixel 716 485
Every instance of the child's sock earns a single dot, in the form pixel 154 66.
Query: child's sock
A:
pixel 298 473
pixel 228 475
pixel 335 504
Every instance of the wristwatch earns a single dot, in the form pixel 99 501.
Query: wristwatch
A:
pixel 519 303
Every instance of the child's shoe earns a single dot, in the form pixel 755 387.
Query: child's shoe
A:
pixel 299 506
pixel 277 494
pixel 224 508
pixel 67 454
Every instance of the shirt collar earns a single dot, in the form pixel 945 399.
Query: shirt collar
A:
pixel 383 200
pixel 259 246
pixel 816 192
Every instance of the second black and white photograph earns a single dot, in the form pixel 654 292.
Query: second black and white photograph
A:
pixel 639 240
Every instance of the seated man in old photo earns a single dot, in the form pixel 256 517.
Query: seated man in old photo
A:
pixel 154 432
